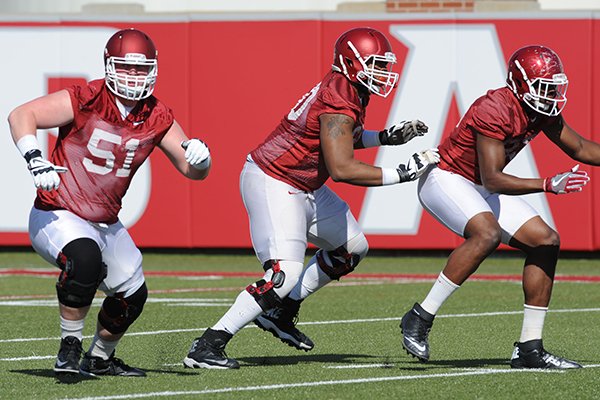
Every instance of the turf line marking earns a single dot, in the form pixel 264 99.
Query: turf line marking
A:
pixel 331 322
pixel 53 272
pixel 312 384
pixel 27 358
pixel 353 366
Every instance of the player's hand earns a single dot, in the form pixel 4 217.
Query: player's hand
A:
pixel 403 132
pixel 44 173
pixel 197 153
pixel 567 182
pixel 417 164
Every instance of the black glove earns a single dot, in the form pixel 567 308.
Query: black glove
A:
pixel 402 133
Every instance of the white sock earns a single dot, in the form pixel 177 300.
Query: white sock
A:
pixel 312 279
pixel 243 311
pixel 102 348
pixel 439 293
pixel 71 328
pixel 533 322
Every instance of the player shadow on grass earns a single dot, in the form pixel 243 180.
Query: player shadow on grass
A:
pixel 70 379
pixel 67 379
pixel 307 358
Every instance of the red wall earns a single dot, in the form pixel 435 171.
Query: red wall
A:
pixel 230 82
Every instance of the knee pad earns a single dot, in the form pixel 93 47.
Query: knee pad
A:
pixel 544 257
pixel 118 313
pixel 262 290
pixel 82 270
pixel 340 262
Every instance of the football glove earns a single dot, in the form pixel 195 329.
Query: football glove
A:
pixel 44 173
pixel 197 153
pixel 417 164
pixel 403 132
pixel 567 182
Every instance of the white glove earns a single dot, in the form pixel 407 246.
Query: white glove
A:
pixel 196 153
pixel 44 173
pixel 567 182
pixel 417 164
pixel 403 132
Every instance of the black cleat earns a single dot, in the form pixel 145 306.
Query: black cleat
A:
pixel 281 322
pixel 208 351
pixel 415 327
pixel 67 360
pixel 531 354
pixel 97 366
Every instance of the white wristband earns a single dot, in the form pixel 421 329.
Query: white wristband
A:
pixel 27 143
pixel 370 139
pixel 389 176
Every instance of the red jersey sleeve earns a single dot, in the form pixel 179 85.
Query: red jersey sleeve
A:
pixel 490 118
pixel 337 105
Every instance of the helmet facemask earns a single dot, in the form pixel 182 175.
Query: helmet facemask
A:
pixel 376 74
pixel 127 85
pixel 543 95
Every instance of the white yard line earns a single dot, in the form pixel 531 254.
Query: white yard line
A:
pixel 333 322
pixel 490 371
pixel 359 366
pixel 27 358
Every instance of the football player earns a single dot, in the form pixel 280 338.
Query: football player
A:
pixel 470 194
pixel 107 128
pixel 289 205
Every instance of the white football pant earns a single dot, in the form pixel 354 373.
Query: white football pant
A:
pixel 51 231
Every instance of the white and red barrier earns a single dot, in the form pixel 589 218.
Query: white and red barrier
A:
pixel 229 82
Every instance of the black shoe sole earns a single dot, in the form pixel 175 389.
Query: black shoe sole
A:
pixel 289 342
pixel 65 371
pixel 410 353
pixel 421 359
pixel 191 363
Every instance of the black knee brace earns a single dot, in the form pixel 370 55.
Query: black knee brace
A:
pixel 544 257
pixel 263 292
pixel 82 270
pixel 337 263
pixel 118 312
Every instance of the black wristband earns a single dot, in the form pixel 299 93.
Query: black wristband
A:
pixel 32 154
pixel 383 137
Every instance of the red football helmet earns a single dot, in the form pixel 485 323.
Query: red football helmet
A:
pixel 365 55
pixel 126 51
pixel 536 76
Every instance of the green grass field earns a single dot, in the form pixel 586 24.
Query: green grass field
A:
pixel 354 324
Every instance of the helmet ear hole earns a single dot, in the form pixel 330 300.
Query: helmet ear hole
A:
pixel 349 62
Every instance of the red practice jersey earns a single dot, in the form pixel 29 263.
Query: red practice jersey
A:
pixel 499 115
pixel 292 152
pixel 102 152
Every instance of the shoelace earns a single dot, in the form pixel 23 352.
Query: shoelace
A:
pixel 288 320
pixel 551 358
pixel 423 329
pixel 74 350
pixel 118 363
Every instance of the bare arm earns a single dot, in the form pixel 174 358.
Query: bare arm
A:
pixel 491 155
pixel 171 146
pixel 573 144
pixel 337 145
pixel 45 112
